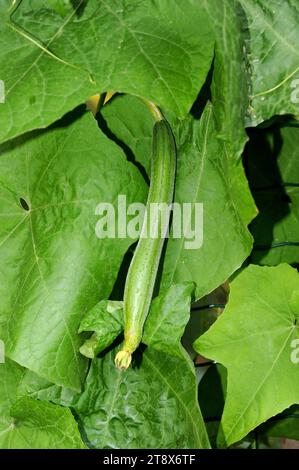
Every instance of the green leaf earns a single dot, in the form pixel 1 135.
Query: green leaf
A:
pixel 273 53
pixel 274 176
pixel 41 425
pixel 160 51
pixel 204 313
pixel 54 267
pixel 169 311
pixel 105 319
pixel 284 425
pixel 255 339
pixel 207 174
pixel 150 406
pixel 11 374
pixel 230 84
pixel 27 423
pixel 211 396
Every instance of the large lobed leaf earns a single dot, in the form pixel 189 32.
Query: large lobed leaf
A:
pixel 274 177
pixel 255 339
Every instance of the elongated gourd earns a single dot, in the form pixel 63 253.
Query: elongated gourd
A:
pixel 143 269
